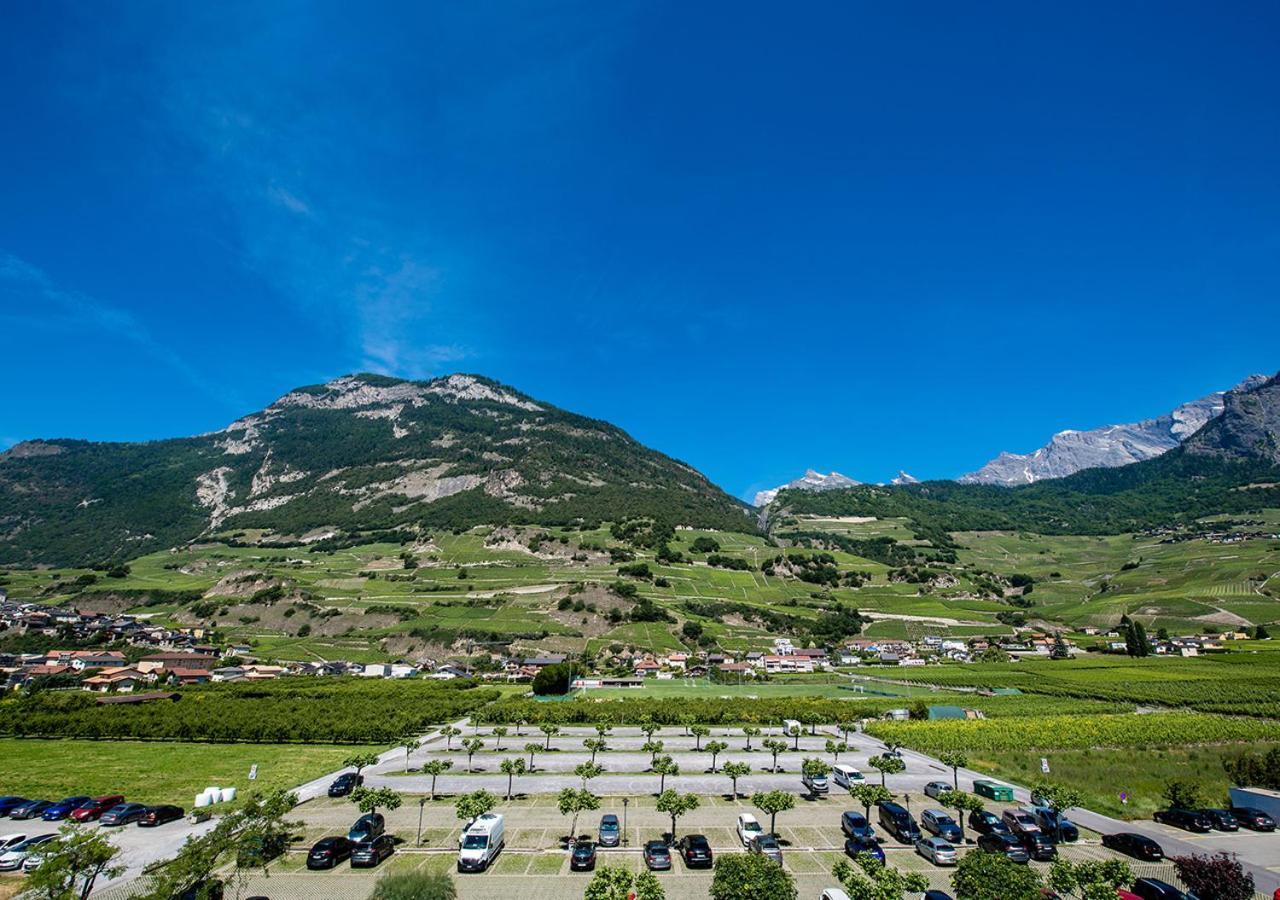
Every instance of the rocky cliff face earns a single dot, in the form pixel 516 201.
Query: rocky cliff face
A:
pixel 360 452
pixel 1069 452
pixel 1249 427
pixel 810 481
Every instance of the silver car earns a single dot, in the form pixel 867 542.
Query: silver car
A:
pixel 767 846
pixel 937 851
pixel 14 857
pixel 936 788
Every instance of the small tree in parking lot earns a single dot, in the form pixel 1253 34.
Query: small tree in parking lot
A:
pixel 993 876
pixel 511 767
pixel 962 802
pixel 715 748
pixel 573 801
pixel 450 732
pixel 435 768
pixel 750 731
pixel 1091 879
pixel 1216 877
pixel 869 795
pixel 886 765
pixel 835 748
pixel 499 732
pixel 662 767
pixel 653 748
pixel 531 749
pixel 368 800
pixel 676 805
pixel 595 745
pixel 470 807
pixel 699 732
pixel 415 886
pixel 750 876
pixel 956 760
pixel 617 883
pixel 472 745
pixel 775 747
pixel 772 803
pixel 70 865
pixel 360 761
pixel 587 771
pixel 408 745
pixel 735 770
pixel 1059 798
pixel 548 729
pixel 869 879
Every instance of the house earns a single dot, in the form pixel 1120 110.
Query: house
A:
pixel 541 662
pixel 121 680
pixel 449 671
pixel 675 660
pixel 785 664
pixel 698 671
pixel 228 673
pixel 171 661
pixel 261 673
pixel 86 659
pixel 646 668
pixel 187 676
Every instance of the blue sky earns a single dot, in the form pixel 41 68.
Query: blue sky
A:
pixel 759 237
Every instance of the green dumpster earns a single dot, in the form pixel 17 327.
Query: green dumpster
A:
pixel 993 791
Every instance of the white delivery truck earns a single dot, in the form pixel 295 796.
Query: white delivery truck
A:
pixel 481 842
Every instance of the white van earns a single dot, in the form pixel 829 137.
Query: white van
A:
pixel 481 842
pixel 791 727
pixel 846 776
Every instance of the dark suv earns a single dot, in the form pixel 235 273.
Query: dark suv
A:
pixel 1155 889
pixel 1139 846
pixel 1253 819
pixel 985 822
pixel 328 852
pixel 1222 819
pixel 1039 846
pixel 1006 844
pixel 1189 819
pixel 696 851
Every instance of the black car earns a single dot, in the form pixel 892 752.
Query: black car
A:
pixel 9 804
pixel 853 846
pixel 1155 889
pixel 657 855
pixel 367 854
pixel 855 825
pixel 696 851
pixel 33 810
pixel 158 815
pixel 1059 827
pixel 583 857
pixel 328 852
pixel 345 783
pixel 1188 819
pixel 1006 844
pixel 209 889
pixel 1039 846
pixel 1253 819
pixel 1139 846
pixel 1222 819
pixel 936 895
pixel 985 822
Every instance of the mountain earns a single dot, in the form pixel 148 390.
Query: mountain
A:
pixel 362 452
pixel 1249 427
pixel 1069 452
pixel 810 481
pixel 904 478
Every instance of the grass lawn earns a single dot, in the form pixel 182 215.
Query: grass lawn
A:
pixel 158 772
pixel 1103 774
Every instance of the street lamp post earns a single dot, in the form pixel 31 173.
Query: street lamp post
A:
pixel 422 802
pixel 625 802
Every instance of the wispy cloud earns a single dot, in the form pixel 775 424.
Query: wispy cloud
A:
pixel 26 285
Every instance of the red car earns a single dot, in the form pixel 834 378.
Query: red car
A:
pixel 94 809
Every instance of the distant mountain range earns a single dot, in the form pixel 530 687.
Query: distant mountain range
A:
pixel 1068 452
pixel 809 481
pixel 361 452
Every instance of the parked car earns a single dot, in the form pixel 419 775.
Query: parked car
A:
pixel 93 809
pixel 815 784
pixel 748 829
pixel 1139 846
pixel 610 832
pixel 8 841
pixel 1020 821
pixel 63 808
pixel 582 857
pixel 13 858
pixel 855 825
pixel 1188 819
pixel 898 822
pixel 846 776
pixel 985 822
pixel 1253 819
pixel 9 804
pixel 696 851
pixel 260 849
pixel 767 846
pixel 834 894
pixel 122 814
pixel 206 889
pixel 345 783
pixel 367 854
pixel 32 810
pixel 937 822
pixel 367 827
pixel 937 851
pixel 1039 846
pixel 1155 889
pixel 936 895
pixel 1061 828
pixel 853 846
pixel 1221 819
pixel 328 852
pixel 657 856
pixel 1007 844
pixel 158 815
pixel 935 788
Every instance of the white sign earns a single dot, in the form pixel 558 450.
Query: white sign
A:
pixel 1044 765
pixel 253 772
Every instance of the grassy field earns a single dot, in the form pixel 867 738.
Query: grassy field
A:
pixel 158 772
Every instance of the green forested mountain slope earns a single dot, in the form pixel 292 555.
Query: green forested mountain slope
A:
pixel 361 452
